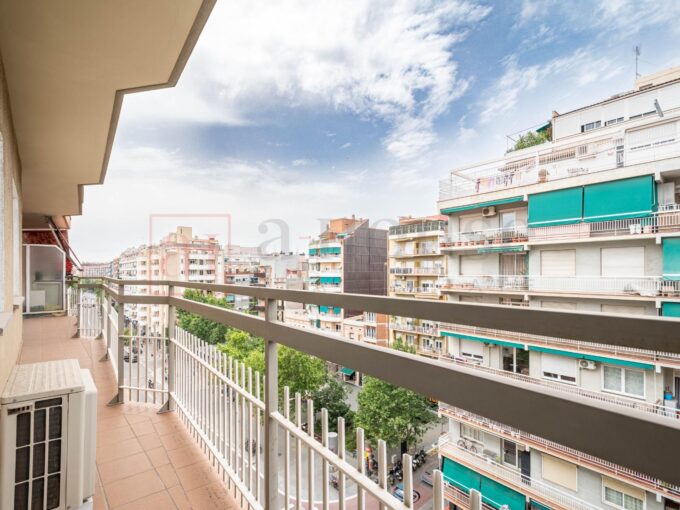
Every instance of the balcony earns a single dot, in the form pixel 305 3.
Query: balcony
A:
pixel 563 452
pixel 547 163
pixel 665 221
pixel 225 406
pixel 418 271
pixel 648 287
pixel 415 328
pixel 320 287
pixel 337 273
pixel 421 229
pixel 420 291
pixel 417 252
pixel 536 489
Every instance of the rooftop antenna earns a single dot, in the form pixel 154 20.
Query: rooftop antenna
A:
pixel 636 50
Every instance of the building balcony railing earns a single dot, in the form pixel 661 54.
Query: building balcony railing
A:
pixel 417 252
pixel 655 409
pixel 426 291
pixel 236 416
pixel 494 236
pixel 317 287
pixel 513 478
pixel 424 227
pixel 325 272
pixel 546 164
pixel 661 358
pixel 328 258
pixel 643 286
pixel 414 328
pixel 564 452
pixel 427 271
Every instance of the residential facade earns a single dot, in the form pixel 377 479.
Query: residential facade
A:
pixel 587 222
pixel 416 267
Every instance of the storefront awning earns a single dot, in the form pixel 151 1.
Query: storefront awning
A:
pixel 347 371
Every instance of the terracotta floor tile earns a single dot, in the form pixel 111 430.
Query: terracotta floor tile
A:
pixel 115 450
pixel 112 422
pixel 143 428
pixel 123 467
pixel 150 441
pixel 167 426
pixel 179 497
pixel 158 501
pixel 196 475
pixel 116 435
pixel 185 456
pixel 168 475
pixel 158 457
pixel 136 418
pixel 210 497
pixel 132 488
pixel 176 440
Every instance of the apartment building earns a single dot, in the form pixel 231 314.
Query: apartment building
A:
pixel 416 266
pixel 369 327
pixel 589 221
pixel 349 256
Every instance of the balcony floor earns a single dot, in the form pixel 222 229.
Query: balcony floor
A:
pixel 144 459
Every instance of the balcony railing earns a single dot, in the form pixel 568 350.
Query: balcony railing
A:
pixel 417 252
pixel 652 408
pixel 644 286
pixel 493 236
pixel 318 287
pixel 427 271
pixel 429 291
pixel 597 464
pixel 234 412
pixel 513 478
pixel 419 228
pixel 423 330
pixel 538 166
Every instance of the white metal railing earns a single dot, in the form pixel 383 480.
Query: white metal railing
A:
pixel 431 271
pixel 433 250
pixel 72 301
pixel 422 227
pixel 222 401
pixel 513 477
pixel 562 451
pixel 399 289
pixel 492 236
pixel 425 330
pixel 595 396
pixel 645 286
pixel 325 287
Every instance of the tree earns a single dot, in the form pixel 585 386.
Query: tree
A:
pixel 333 396
pixel 388 412
pixel 205 329
pixel 532 138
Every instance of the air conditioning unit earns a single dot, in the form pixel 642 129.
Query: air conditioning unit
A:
pixel 587 364
pixel 489 211
pixel 48 433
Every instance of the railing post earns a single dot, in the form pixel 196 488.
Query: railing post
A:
pixel 437 490
pixel 271 404
pixel 107 325
pixel 172 313
pixel 475 500
pixel 120 396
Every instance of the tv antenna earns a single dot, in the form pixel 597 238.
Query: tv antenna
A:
pixel 636 51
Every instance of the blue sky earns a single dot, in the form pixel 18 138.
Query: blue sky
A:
pixel 304 110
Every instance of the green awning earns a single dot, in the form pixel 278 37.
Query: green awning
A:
pixel 557 352
pixel 671 258
pixel 330 279
pixel 500 249
pixel 494 493
pixel 313 251
pixel 485 340
pixel 347 371
pixel 670 309
pixel 559 207
pixel 615 200
pixel 331 250
pixel 539 506
pixel 479 205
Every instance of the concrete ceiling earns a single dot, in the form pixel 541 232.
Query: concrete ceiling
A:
pixel 68 64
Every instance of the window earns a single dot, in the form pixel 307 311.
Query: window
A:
pixel 438 345
pixel 628 262
pixel 370 332
pixel 471 433
pixel 558 263
pixel 515 360
pixel 409 340
pixel 613 121
pixel 590 125
pixel 370 317
pixel 628 381
pixel 508 220
pixel 559 368
pixel 560 472
pixel 623 496
pixel 509 453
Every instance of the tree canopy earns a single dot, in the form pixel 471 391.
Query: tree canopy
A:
pixel 205 329
pixel 397 415
pixel 532 138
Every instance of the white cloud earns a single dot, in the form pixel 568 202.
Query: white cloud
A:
pixel 346 145
pixel 303 162
pixel 387 60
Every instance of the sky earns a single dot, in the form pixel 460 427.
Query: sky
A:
pixel 292 112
